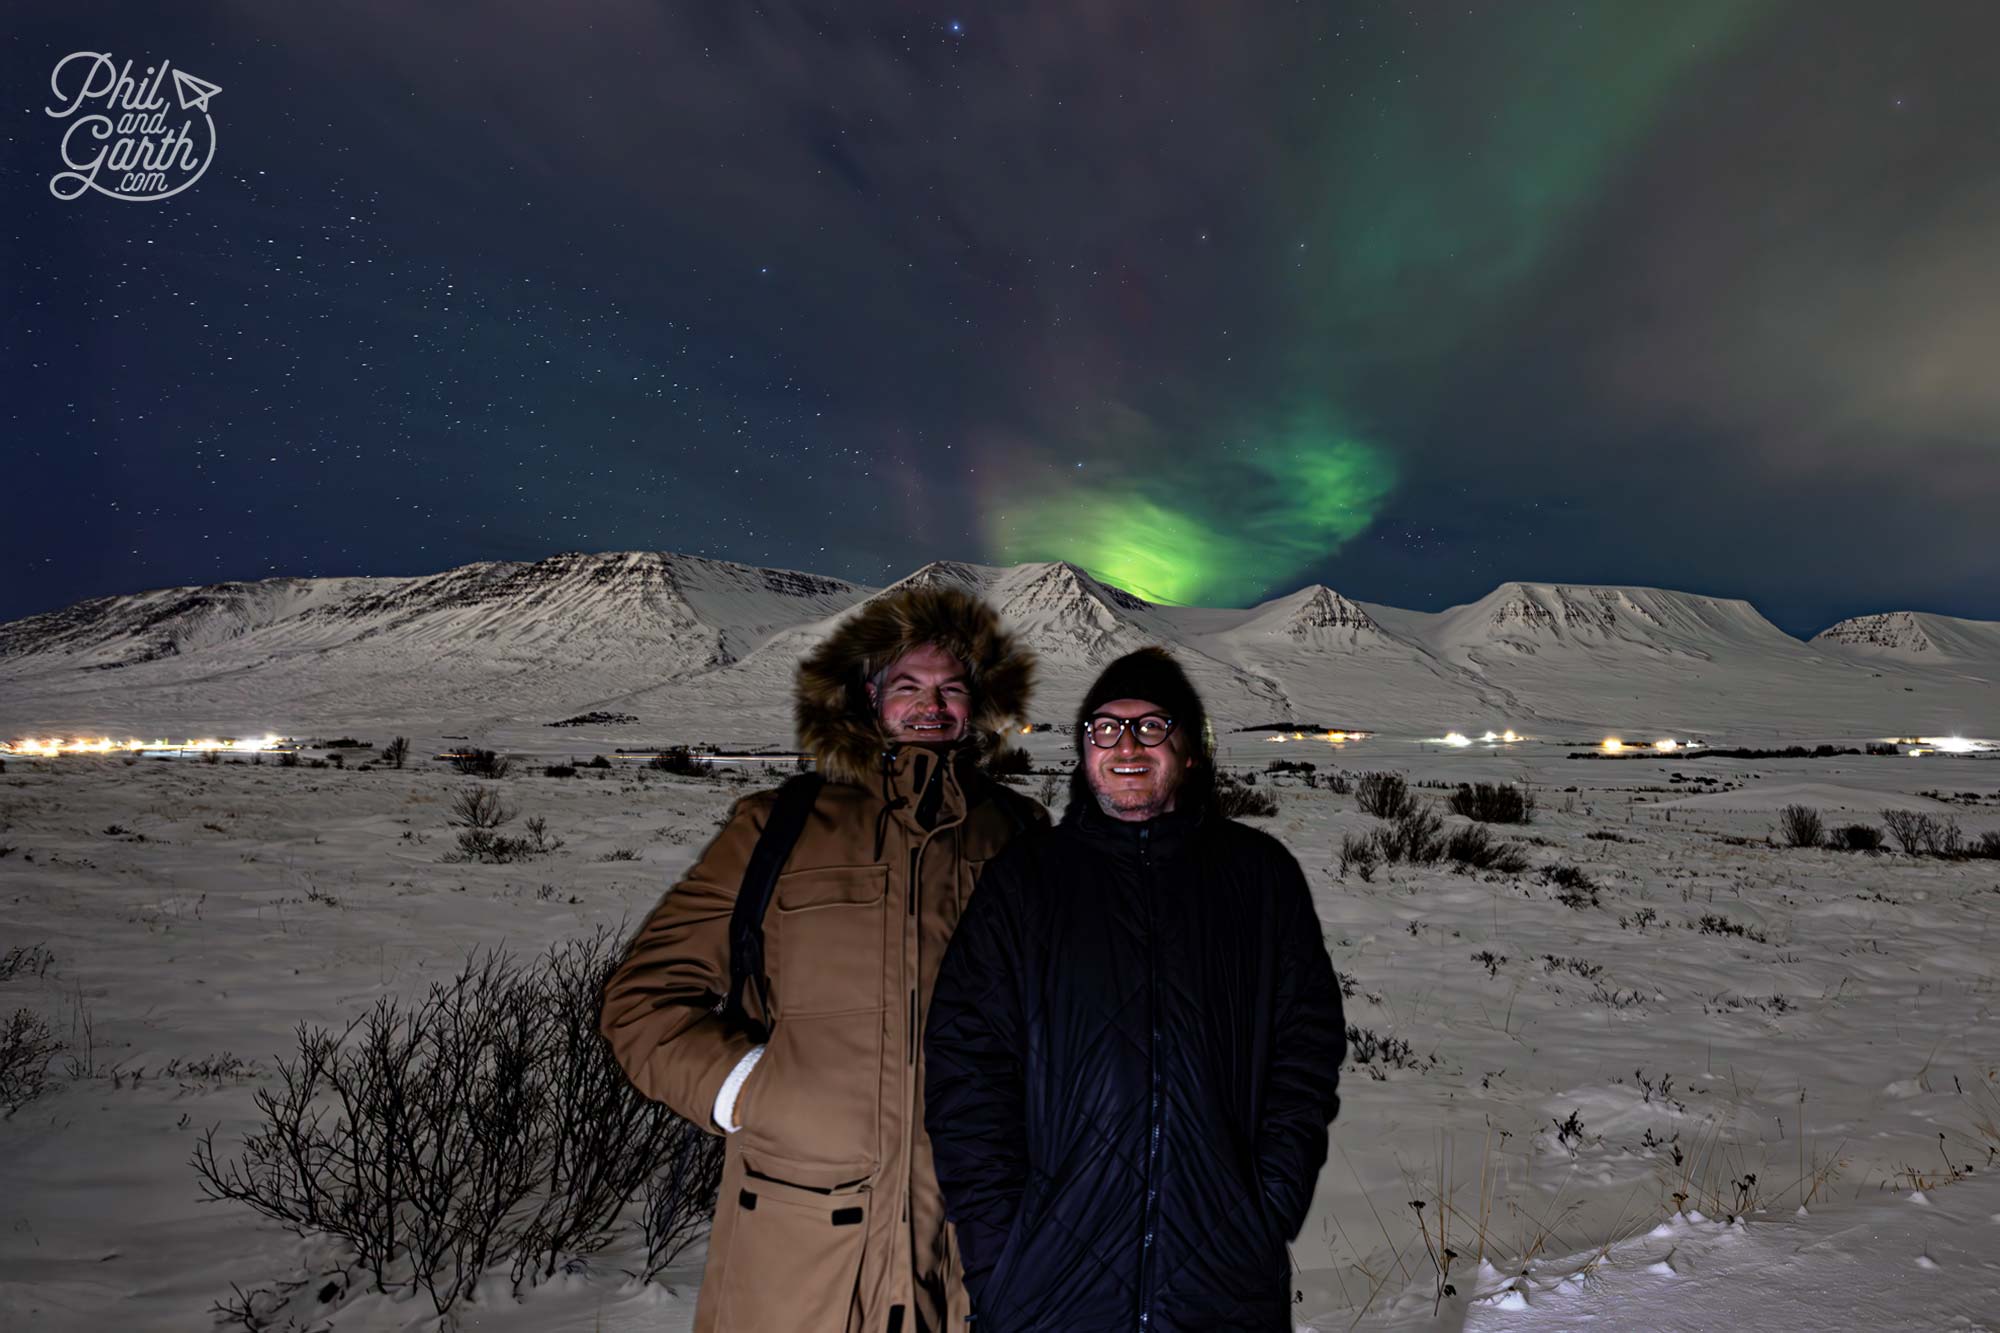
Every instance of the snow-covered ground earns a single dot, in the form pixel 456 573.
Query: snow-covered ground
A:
pixel 1569 1069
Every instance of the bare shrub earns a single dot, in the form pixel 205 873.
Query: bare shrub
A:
pixel 26 1047
pixel 479 813
pixel 1988 846
pixel 1801 827
pixel 485 1127
pixel 1384 795
pixel 680 1194
pixel 1473 848
pixel 1493 803
pixel 678 760
pixel 1376 1053
pixel 1855 838
pixel 1714 923
pixel 1237 799
pixel 28 960
pixel 1924 834
pixel 1417 835
pixel 1339 784
pixel 1357 853
pixel 1574 889
pixel 397 752
pixel 482 844
pixel 479 808
pixel 481 763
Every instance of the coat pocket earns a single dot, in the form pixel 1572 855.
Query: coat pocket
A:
pixel 1275 1241
pixel 794 1258
pixel 814 1102
pixel 827 954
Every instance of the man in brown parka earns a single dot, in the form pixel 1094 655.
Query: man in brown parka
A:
pixel 829 1216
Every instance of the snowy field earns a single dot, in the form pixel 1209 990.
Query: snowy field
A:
pixel 1582 1077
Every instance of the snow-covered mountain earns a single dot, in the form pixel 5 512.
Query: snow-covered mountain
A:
pixel 1519 620
pixel 495 638
pixel 1915 636
pixel 1314 617
pixel 698 648
pixel 1681 663
pixel 697 612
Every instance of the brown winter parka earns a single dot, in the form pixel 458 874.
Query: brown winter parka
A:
pixel 829 1216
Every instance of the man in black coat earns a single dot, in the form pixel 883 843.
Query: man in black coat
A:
pixel 1134 1046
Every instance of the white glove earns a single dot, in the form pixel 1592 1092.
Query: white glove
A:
pixel 732 1088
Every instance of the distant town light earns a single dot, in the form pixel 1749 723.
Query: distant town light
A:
pixel 1668 743
pixel 1612 745
pixel 1455 740
pixel 50 747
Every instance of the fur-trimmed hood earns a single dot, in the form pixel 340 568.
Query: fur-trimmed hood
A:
pixel 836 723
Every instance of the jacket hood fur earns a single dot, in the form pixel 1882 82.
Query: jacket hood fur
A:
pixel 836 723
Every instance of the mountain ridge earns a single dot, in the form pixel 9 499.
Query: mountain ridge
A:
pixel 678 636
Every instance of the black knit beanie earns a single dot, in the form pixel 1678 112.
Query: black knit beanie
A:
pixel 1153 675
pixel 1150 674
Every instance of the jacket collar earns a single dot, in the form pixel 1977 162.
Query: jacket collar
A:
pixel 1163 835
pixel 924 787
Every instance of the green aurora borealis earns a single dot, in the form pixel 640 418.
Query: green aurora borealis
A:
pixel 1156 531
pixel 1431 217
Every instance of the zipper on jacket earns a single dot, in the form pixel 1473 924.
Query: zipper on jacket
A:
pixel 1153 1063
pixel 910 1050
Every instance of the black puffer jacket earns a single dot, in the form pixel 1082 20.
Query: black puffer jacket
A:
pixel 1133 1051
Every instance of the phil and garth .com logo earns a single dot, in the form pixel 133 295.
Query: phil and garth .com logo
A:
pixel 131 142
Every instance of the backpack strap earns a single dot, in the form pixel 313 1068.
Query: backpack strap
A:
pixel 760 880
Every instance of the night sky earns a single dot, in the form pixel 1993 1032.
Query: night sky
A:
pixel 1215 300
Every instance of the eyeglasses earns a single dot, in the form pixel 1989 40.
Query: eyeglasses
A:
pixel 1105 730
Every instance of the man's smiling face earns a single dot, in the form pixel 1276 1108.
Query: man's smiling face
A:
pixel 924 697
pixel 1133 781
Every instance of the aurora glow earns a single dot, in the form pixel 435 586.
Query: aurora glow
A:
pixel 1458 201
pixel 1408 209
pixel 1172 527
